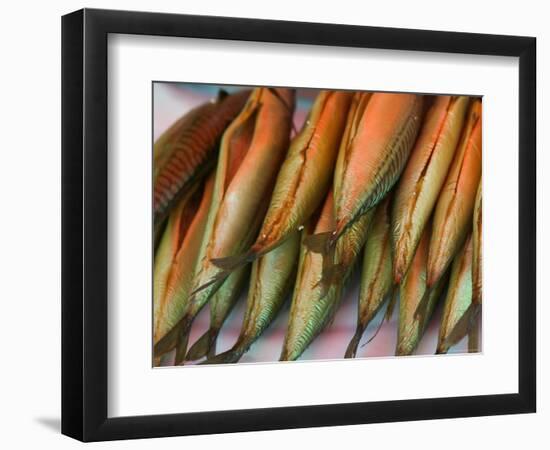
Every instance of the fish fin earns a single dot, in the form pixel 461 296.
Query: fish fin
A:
pixel 384 319
pixel 232 355
pixel 422 305
pixel 464 325
pixel 391 304
pixel 167 343
pixel 215 279
pixel 203 346
pixel 320 242
pixel 332 275
pixel 183 339
pixel 353 345
pixel 231 263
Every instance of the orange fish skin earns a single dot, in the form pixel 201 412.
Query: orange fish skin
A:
pixel 477 263
pixel 251 152
pixel 170 296
pixel 455 205
pixel 187 149
pixel 370 162
pixel 419 186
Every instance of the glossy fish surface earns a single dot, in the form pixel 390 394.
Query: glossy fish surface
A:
pixel 455 205
pixel 419 186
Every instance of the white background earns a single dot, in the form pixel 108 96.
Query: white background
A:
pixel 30 237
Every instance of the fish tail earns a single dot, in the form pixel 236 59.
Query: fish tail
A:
pixel 183 339
pixel 320 242
pixel 204 346
pixel 215 279
pixel 231 263
pixel 232 355
pixel 464 325
pixel 167 343
pixel 391 304
pixel 353 345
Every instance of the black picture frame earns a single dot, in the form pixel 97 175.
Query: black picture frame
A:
pixel 84 224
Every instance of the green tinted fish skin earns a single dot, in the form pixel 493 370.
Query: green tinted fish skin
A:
pixel 173 274
pixel 459 297
pixel 271 280
pixel 419 186
pixel 312 307
pixel 372 160
pixel 251 152
pixel 452 220
pixel 376 272
pixel 412 326
pixel 221 305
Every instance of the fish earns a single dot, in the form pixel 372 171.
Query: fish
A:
pixel 271 280
pixel 251 152
pixel 376 273
pixel 458 299
pixel 312 309
pixel 304 178
pixel 221 305
pixel 469 322
pixel 186 151
pixel 411 327
pixel 174 267
pixel 377 144
pixel 455 206
pixel 423 177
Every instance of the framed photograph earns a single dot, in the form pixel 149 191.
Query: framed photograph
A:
pixel 273 224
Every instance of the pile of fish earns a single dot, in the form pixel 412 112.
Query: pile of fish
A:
pixel 388 183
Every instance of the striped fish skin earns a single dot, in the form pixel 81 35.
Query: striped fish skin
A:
pixel 376 272
pixel 477 262
pixel 186 151
pixel 273 275
pixel 305 176
pixel 412 326
pixel 459 296
pixel 455 205
pixel 251 153
pixel 371 161
pixel 423 177
pixel 312 307
pixel 170 296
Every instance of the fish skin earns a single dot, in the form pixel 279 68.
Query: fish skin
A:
pixel 271 280
pixel 251 152
pixel 304 178
pixel 477 262
pixel 423 177
pixel 312 309
pixel 376 272
pixel 411 326
pixel 186 151
pixel 170 298
pixel 370 162
pixel 458 299
pixel 221 305
pixel 455 205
